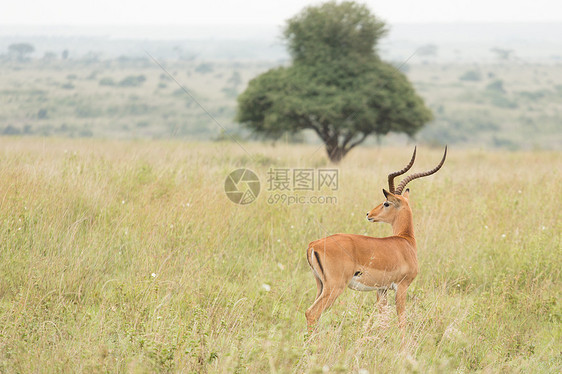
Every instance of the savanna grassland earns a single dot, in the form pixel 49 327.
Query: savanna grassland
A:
pixel 126 256
pixel 508 105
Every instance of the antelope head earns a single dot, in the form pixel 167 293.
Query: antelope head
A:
pixel 389 210
pixel 396 200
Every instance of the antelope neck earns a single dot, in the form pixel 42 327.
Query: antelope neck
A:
pixel 403 225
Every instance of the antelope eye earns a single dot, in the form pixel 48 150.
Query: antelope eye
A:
pixel 386 204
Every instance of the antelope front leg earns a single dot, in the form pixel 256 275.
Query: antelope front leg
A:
pixel 401 307
pixel 382 303
pixel 381 299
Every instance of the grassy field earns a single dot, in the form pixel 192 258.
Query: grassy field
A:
pixel 126 256
pixel 120 98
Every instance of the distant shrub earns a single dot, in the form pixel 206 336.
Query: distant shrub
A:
pixel 11 130
pixel 132 81
pixel 204 68
pixel 42 113
pixel 49 56
pixel 502 102
pixel 136 109
pixel 85 133
pixel 107 81
pixel 86 111
pixel 534 95
pixel 93 75
pixel 471 75
pixel 235 79
pixel 162 85
pixel 501 142
pixel 71 77
pixel 44 130
pixel 496 86
pixel 68 86
pixel 230 92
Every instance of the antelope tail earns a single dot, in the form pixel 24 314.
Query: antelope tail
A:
pixel 314 261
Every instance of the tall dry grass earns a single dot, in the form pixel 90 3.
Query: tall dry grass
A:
pixel 128 257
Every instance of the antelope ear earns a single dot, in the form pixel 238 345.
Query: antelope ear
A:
pixel 406 193
pixel 386 193
pixel 390 196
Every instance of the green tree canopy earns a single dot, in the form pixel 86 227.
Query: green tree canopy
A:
pixel 337 85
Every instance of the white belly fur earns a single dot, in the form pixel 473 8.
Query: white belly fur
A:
pixel 356 285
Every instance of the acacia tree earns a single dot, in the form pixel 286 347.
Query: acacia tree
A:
pixel 337 85
pixel 21 50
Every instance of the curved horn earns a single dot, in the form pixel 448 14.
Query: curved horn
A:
pixel 400 172
pixel 419 175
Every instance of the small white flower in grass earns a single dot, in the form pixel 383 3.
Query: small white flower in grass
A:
pixel 122 201
pixel 413 362
pixel 519 191
pixel 352 214
pixel 292 226
pixel 503 235
pixel 159 317
pixel 543 228
pixel 153 275
pixel 187 205
pixel 171 226
pixel 278 240
pixel 280 266
pixel 486 227
pixel 452 333
pixel 266 287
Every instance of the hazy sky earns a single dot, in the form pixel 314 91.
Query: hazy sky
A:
pixel 262 12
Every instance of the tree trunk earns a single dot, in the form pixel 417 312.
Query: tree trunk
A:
pixel 335 152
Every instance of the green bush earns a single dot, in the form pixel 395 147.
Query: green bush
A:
pixel 496 86
pixel 42 113
pixel 132 81
pixel 471 76
pixel 107 81
pixel 204 68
